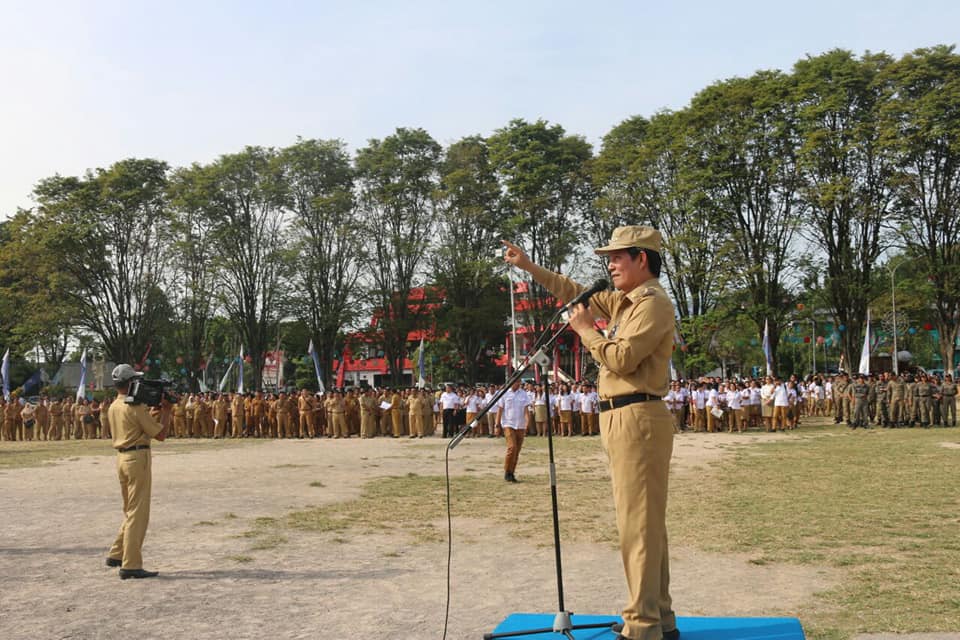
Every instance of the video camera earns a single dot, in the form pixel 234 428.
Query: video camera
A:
pixel 150 392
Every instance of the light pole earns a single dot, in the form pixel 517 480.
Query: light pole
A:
pixel 893 304
pixel 813 344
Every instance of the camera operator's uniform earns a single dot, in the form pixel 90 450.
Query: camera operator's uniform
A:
pixel 133 427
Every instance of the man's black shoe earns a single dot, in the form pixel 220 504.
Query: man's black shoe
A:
pixel 509 477
pixel 114 562
pixel 617 627
pixel 137 573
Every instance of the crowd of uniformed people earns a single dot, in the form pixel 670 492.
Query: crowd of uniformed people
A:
pixel 706 404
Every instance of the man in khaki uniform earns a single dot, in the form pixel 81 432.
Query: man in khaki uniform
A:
pixel 635 426
pixel 220 418
pixel 338 420
pixel 284 423
pixel 133 427
pixel 237 415
pixel 105 432
pixel 305 410
pixel 948 402
pixel 415 404
pixel 396 413
pixel 43 418
pixel 180 417
pixel 368 414
pixel 895 389
pixel 924 398
pixel 56 420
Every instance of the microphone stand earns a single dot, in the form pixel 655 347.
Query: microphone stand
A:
pixel 562 623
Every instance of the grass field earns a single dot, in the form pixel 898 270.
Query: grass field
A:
pixel 880 506
pixel 36 453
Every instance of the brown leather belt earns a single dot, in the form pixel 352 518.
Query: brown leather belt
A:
pixel 137 447
pixel 616 402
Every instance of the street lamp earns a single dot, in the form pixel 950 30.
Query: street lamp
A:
pixel 893 304
pixel 813 343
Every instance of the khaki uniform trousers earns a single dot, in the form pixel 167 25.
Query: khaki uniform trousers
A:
pixel 307 430
pixel 926 409
pixel 895 410
pixel 284 426
pixel 948 410
pixel 779 417
pixel 368 424
pixel 133 469
pixel 396 419
pixel 699 420
pixel 416 424
pixel 638 440
pixel 56 428
pixel 514 444
pixel 339 423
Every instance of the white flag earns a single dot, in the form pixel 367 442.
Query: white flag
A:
pixel 240 375
pixel 5 373
pixel 865 353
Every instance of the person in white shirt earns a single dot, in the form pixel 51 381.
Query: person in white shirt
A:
pixel 712 404
pixel 512 415
pixel 449 403
pixel 766 399
pixel 539 413
pixel 674 400
pixel 698 403
pixel 493 430
pixel 566 411
pixel 575 408
pixel 588 412
pixel 781 404
pixel 474 403
pixel 732 399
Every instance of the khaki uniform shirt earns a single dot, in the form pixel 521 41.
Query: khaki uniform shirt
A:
pixel 132 424
pixel 635 356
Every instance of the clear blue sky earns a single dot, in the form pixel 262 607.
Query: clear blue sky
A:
pixel 85 84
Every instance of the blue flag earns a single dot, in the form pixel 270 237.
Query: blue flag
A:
pixel 82 387
pixel 33 383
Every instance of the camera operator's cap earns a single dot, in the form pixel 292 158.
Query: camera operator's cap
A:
pixel 639 236
pixel 124 372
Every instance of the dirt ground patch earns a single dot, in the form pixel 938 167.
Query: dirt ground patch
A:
pixel 57 521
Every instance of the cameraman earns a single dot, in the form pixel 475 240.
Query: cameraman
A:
pixel 133 427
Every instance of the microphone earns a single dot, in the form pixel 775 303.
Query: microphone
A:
pixel 584 297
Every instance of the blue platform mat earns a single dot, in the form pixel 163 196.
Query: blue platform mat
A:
pixel 690 628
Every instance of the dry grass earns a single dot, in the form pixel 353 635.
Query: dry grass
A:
pixel 36 453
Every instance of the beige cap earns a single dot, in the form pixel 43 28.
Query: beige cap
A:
pixel 638 236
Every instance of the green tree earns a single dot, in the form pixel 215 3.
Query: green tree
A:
pixel 397 178
pixel 245 203
pixel 544 176
pixel 466 258
pixel 194 268
pixel 846 177
pixel 743 132
pixel 921 130
pixel 318 185
pixel 32 292
pixel 108 232
pixel 643 175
